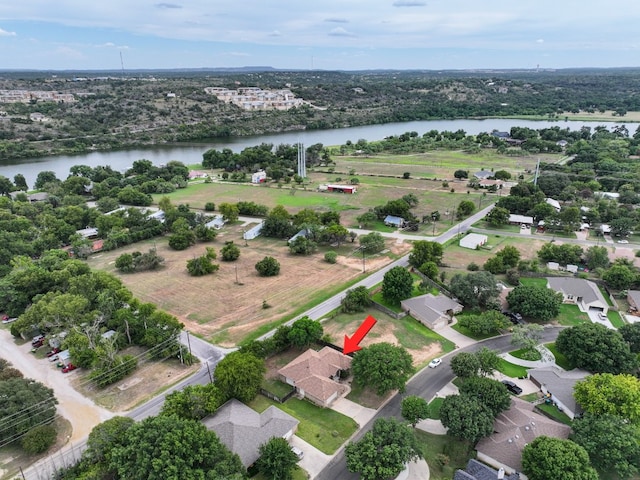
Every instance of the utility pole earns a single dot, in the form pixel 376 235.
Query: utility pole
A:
pixel 209 370
pixel 535 177
pixel 363 266
pixel 188 341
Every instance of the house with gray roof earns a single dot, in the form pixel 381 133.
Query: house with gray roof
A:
pixel 559 384
pixel 217 223
pixel 585 294
pixel 633 297
pixel 433 311
pixel 393 221
pixel 513 429
pixel 479 471
pixel 315 375
pixel 243 430
pixel 483 175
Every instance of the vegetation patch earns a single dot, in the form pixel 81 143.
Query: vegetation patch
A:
pixel 530 354
pixel 511 370
pixel 443 454
pixel 468 333
pixel 366 396
pixel 434 408
pixel 571 315
pixel 552 411
pixel 561 360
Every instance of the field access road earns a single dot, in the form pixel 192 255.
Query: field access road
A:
pixel 425 384
pixel 323 309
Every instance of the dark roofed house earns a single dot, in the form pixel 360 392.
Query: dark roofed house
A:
pixel 559 384
pixel 483 175
pixel 431 310
pixel 479 471
pixel 242 430
pixel 512 430
pixel 314 375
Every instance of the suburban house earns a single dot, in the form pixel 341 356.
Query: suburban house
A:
pixel 473 241
pixel 516 219
pixel 582 292
pixel 431 310
pixel 259 177
pixel 393 221
pixel 483 175
pixel 512 430
pixel 242 430
pixel 479 471
pixel 559 384
pixel 554 203
pixel 487 183
pixel 217 222
pixel 315 375
pixel 633 297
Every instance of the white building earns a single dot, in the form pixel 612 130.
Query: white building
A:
pixel 473 241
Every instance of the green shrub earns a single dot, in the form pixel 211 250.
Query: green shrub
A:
pixel 38 439
pixel 209 206
pixel 473 267
pixel 331 257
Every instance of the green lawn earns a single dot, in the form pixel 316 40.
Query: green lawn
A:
pixel 298 474
pixel 434 408
pixel 323 428
pixel 553 412
pixel 615 318
pixel 605 295
pixel 465 331
pixel 412 334
pixel 278 388
pixel 561 360
pixel 458 453
pixel 511 370
pixel 526 354
pixel 571 315
pixel 378 298
pixel 503 228
pixel 540 282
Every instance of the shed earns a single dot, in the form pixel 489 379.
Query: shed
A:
pixel 259 177
pixel 393 221
pixel 253 232
pixel 64 357
pixel 572 268
pixel 553 266
pixel 342 188
pixel 521 219
pixel 473 241
pixel 217 222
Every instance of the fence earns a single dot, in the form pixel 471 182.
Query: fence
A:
pixel 388 311
pixel 430 282
pixel 275 398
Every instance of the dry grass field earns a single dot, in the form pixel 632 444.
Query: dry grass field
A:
pixel 227 306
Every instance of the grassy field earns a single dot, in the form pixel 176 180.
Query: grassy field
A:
pixel 571 315
pixel 511 370
pixel 615 318
pixel 323 428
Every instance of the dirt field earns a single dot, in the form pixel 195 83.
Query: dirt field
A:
pixel 225 311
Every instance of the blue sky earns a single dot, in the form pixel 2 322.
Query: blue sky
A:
pixel 321 34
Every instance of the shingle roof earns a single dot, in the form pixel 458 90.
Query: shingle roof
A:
pixel 515 428
pixel 312 370
pixel 578 287
pixel 479 471
pixel 243 430
pixel 430 307
pixel 559 383
pixel 635 296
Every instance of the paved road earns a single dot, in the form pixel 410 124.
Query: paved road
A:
pixel 424 384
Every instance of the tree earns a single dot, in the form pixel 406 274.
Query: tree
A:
pixel 495 265
pixel 509 255
pixel 382 366
pixel 528 336
pixel 230 252
pixel 38 439
pixel 302 246
pixel 382 452
pixel 424 251
pixel 304 332
pixel 489 322
pixel 277 460
pixel 631 334
pixel 172 448
pixel 204 233
pixel 239 375
pixel 20 182
pixel 356 300
pixel 548 457
pixel 612 443
pixel 461 174
pixel 104 437
pixel 622 226
pixel 414 409
pixel 596 348
pixel 535 301
pixel 497 217
pixel 193 401
pixel 202 265
pixel 501 175
pixel 366 219
pixel 182 240
pixel 488 391
pixel 596 257
pixel 397 284
pixel 371 242
pixel 229 212
pixel 429 269
pixel 465 208
pixel 619 277
pixel 268 267
pixel 477 289
pixel 489 361
pixel 25 404
pixel 45 177
pixel 605 393
pixel 465 365
pixel 466 418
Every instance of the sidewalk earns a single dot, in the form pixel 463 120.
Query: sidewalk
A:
pixel 456 337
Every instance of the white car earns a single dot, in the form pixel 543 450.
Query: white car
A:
pixel 299 453
pixel 623 241
pixel 435 362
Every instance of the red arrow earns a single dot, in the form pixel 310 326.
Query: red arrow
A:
pixel 351 343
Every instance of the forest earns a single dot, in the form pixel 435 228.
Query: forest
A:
pixel 112 112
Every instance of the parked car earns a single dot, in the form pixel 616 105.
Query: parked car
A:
pixel 69 368
pixel 37 344
pixel 53 352
pixel 512 387
pixel 37 339
pixel 435 362
pixel 7 319
pixel 515 318
pixel 602 316
pixel 623 241
pixel 299 453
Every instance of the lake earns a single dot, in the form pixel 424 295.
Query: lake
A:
pixel 191 153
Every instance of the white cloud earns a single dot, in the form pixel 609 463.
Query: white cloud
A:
pixel 275 33
pixel 4 33
pixel 540 40
pixel 409 3
pixel 341 32
pixel 168 5
pixel 336 20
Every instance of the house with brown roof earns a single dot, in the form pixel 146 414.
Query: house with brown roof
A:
pixel 242 430
pixel 433 311
pixel 315 375
pixel 512 430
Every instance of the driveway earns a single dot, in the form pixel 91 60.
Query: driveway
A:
pixel 79 410
pixel 595 318
pixel 456 337
pixel 352 410
pixel 314 460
